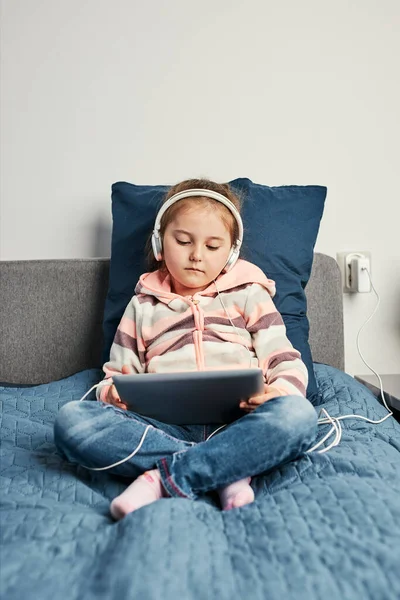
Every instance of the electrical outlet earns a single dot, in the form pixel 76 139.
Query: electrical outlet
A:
pixel 344 260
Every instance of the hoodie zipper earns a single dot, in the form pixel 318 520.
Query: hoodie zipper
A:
pixel 198 332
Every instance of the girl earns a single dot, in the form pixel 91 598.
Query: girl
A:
pixel 198 308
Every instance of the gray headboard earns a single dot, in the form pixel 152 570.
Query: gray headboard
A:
pixel 51 316
pixel 325 312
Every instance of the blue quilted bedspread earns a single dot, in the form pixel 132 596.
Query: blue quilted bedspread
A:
pixel 326 526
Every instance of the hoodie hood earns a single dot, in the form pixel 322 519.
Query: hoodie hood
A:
pixel 158 283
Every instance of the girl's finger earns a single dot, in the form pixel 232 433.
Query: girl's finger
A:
pixel 114 399
pixel 270 396
pixel 246 407
pixel 108 399
pixel 257 400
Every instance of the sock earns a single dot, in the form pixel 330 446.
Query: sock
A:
pixel 144 490
pixel 236 494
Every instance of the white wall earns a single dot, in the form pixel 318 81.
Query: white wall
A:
pixel 95 91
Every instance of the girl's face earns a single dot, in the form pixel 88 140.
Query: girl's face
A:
pixel 196 246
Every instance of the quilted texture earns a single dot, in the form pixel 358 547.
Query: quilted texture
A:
pixel 323 527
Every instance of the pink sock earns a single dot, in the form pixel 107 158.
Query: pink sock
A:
pixel 144 490
pixel 236 494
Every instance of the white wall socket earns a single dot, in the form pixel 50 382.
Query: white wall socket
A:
pixel 344 261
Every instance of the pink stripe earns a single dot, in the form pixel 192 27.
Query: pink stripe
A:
pixel 290 352
pixel 159 327
pixel 234 310
pixel 282 351
pixel 224 336
pixel 110 372
pixel 230 367
pixel 162 348
pixel 128 326
pixel 292 371
pixel 225 322
pixel 177 344
pixel 261 309
pixel 265 322
pixel 294 381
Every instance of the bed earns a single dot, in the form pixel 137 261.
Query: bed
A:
pixel 326 526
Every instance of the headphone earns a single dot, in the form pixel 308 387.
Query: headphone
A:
pixel 156 241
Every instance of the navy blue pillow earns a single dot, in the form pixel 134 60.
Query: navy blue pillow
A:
pixel 280 230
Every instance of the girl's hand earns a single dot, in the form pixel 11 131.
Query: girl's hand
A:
pixel 112 394
pixel 251 403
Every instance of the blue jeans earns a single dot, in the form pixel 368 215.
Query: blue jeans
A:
pixel 95 434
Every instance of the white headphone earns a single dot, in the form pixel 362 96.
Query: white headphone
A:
pixel 156 241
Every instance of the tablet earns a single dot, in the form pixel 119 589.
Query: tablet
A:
pixel 190 397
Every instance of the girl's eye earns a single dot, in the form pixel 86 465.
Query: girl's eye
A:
pixel 185 243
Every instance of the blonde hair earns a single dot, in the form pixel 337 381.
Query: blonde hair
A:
pixel 187 203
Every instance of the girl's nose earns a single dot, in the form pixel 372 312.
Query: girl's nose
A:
pixel 195 254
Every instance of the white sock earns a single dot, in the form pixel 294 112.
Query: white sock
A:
pixel 144 490
pixel 236 494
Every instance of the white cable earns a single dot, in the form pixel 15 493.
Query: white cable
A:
pixel 135 450
pixel 332 429
pixel 94 387
pixel 335 427
pixel 231 322
pixel 216 431
pixel 332 420
pixel 361 355
pixel 324 421
pixel 338 436
pixel 87 393
pixel 124 459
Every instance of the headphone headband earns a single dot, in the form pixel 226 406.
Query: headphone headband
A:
pixel 156 240
pixel 199 192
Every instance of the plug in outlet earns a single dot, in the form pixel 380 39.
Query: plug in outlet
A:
pixel 353 266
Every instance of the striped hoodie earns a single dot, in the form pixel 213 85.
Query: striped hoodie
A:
pixel 162 332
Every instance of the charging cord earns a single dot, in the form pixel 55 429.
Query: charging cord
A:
pixel 94 387
pixel 336 427
pixel 120 462
pixel 361 355
pixel 335 421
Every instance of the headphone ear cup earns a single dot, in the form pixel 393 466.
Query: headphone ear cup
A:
pixel 232 258
pixel 157 246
